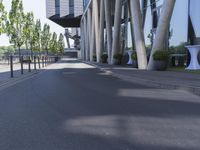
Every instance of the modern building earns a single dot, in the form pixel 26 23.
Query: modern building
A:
pixel 106 25
pixel 68 14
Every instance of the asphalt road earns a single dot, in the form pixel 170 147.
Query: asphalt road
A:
pixel 73 106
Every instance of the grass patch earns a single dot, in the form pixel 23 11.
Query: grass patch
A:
pixel 182 69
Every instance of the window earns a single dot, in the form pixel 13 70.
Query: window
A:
pixel 57 4
pixel 71 6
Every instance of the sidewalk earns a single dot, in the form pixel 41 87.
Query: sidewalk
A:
pixel 165 79
pixel 5 75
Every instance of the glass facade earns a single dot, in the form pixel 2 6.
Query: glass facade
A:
pixel 57 5
pixel 85 3
pixel 71 6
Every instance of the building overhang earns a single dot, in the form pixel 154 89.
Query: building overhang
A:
pixel 67 21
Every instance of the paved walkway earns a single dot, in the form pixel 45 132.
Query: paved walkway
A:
pixel 5 75
pixel 163 79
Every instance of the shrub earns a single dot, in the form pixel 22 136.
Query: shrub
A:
pixel 94 58
pixel 118 56
pixel 104 58
pixel 134 56
pixel 161 55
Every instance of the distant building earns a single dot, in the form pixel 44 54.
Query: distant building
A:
pixel 66 13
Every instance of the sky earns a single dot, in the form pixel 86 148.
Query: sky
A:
pixel 38 7
pixel 178 24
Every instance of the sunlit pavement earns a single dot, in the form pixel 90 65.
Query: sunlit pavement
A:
pixel 74 106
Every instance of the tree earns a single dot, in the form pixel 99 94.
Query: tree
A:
pixel 29 32
pixel 3 18
pixel 61 44
pixel 163 28
pixel 28 28
pixel 15 24
pixel 45 37
pixel 136 18
pixel 38 32
pixel 53 43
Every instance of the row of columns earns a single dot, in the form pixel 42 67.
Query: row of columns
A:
pixel 98 21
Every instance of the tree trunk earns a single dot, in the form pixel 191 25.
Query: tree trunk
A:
pixel 139 34
pixel 19 51
pixel 163 28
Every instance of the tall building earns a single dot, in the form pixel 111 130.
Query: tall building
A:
pixel 106 26
pixel 66 13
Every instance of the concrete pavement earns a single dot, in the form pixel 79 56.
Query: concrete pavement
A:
pixel 160 79
pixel 75 106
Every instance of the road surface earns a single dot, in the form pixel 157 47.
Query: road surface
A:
pixel 73 106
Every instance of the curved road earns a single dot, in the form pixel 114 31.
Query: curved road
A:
pixel 73 106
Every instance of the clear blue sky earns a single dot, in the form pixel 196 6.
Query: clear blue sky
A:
pixel 38 7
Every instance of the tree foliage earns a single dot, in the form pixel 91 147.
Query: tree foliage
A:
pixel 53 43
pixel 45 38
pixel 3 18
pixel 61 44
pixel 28 28
pixel 15 24
pixel 37 33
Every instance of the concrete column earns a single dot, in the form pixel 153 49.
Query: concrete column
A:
pixel 92 42
pixel 89 25
pixel 138 32
pixel 108 28
pixel 82 41
pixel 86 38
pixel 131 26
pixel 102 21
pixel 96 19
pixel 117 28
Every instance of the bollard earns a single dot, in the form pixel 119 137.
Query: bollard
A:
pixel 42 61
pixel 45 60
pixel 35 62
pixel 29 63
pixel 39 62
pixel 22 69
pixel 11 66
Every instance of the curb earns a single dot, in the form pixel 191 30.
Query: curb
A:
pixel 149 83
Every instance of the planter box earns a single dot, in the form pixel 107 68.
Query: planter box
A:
pixel 161 65
pixel 117 62
pixel 134 64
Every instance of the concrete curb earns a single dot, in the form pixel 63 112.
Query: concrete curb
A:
pixel 150 83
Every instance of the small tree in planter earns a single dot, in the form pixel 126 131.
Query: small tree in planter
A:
pixel 95 58
pixel 161 58
pixel 118 59
pixel 134 59
pixel 104 58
